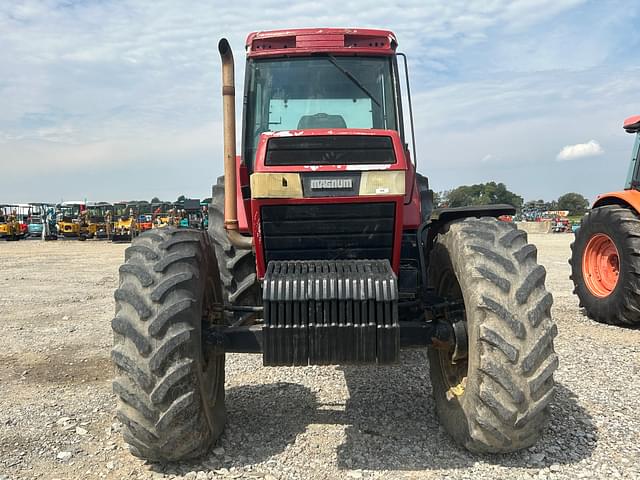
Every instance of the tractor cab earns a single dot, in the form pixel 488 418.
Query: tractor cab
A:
pixel 68 216
pixel 9 225
pixel 346 92
pixel 124 218
pixel 35 220
pixel 23 213
pixel 49 221
pixel 97 223
pixel 632 125
pixel 123 211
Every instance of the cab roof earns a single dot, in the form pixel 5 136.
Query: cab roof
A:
pixel 303 41
pixel 632 124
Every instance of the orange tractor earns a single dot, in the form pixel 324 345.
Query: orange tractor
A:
pixel 604 259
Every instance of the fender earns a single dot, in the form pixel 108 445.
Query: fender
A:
pixel 445 215
pixel 243 196
pixel 441 216
pixel 627 198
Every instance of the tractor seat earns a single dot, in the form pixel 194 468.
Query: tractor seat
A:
pixel 321 120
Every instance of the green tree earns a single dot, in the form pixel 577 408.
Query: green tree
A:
pixel 155 200
pixel 574 202
pixel 181 199
pixel 441 199
pixel 489 193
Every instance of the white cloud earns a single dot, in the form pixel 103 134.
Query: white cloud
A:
pixel 580 150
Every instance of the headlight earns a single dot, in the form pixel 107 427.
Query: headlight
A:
pixel 382 183
pixel 276 185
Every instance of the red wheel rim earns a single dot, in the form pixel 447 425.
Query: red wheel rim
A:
pixel 601 265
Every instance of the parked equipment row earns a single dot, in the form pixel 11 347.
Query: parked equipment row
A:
pixel 119 222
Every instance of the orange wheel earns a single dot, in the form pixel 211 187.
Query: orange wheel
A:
pixel 601 265
pixel 604 261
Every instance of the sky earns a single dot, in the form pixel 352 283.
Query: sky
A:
pixel 113 100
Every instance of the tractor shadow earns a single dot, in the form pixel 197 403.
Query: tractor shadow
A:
pixel 392 425
pixel 262 420
pixel 620 326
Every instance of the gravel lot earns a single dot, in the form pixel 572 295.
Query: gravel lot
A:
pixel 56 405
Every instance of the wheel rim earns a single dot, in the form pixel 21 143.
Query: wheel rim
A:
pixel 601 265
pixel 454 374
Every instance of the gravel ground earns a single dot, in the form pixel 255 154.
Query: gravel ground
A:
pixel 57 409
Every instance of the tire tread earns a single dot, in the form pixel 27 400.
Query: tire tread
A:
pixel 506 399
pixel 158 308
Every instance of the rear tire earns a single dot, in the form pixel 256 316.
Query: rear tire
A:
pixel 170 386
pixel 496 399
pixel 617 303
pixel 237 266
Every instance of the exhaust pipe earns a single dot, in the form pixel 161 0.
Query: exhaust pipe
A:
pixel 229 121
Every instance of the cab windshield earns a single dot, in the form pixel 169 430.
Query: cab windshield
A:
pixel 122 210
pixel 320 92
pixel 68 212
pixel 97 213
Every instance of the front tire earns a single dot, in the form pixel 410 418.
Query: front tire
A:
pixel 495 400
pixel 169 384
pixel 604 265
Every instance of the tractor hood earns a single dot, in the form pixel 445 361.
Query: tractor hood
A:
pixel 329 163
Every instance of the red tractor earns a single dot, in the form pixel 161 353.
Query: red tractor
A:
pixel 604 260
pixel 324 248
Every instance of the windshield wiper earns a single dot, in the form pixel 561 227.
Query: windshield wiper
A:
pixel 350 76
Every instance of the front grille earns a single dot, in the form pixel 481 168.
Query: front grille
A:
pixel 330 150
pixel 344 231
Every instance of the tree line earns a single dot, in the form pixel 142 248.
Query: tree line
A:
pixel 492 193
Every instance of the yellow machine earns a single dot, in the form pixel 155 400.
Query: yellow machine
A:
pixel 97 219
pixel 69 219
pixel 125 227
pixel 9 225
pixel 4 228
